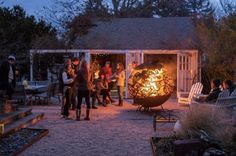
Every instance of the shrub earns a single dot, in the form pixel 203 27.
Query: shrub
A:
pixel 215 122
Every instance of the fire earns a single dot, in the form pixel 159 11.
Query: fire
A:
pixel 150 83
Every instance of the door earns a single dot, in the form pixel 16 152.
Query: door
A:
pixel 131 57
pixel 184 72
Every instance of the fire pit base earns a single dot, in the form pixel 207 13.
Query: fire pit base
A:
pixel 149 102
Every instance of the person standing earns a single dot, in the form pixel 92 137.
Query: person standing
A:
pixel 120 82
pixel 107 71
pixel 8 77
pixel 68 83
pixel 103 86
pixel 83 87
pixel 95 92
pixel 75 66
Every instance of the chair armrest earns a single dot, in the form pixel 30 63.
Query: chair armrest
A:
pixel 203 105
pixel 227 98
pixel 183 94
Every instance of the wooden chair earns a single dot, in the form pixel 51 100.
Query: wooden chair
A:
pixel 233 94
pixel 57 93
pixel 186 98
pixel 224 101
pixel 45 97
pixel 20 95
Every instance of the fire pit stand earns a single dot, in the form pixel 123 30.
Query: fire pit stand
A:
pixel 165 116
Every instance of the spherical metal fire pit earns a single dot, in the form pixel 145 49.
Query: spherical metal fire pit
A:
pixel 150 85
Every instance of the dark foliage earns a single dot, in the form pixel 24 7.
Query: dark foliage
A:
pixel 17 31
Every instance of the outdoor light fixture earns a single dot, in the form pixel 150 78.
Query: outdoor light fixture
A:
pixel 150 85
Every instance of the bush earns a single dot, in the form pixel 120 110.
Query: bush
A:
pixel 215 122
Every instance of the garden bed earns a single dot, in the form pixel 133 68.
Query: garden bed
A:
pixel 162 146
pixel 15 143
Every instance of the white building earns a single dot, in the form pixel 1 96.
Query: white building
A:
pixel 172 41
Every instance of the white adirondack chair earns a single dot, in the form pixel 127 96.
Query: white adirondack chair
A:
pixel 224 101
pixel 186 98
pixel 233 94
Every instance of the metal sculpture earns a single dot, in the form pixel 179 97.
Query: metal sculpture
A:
pixel 150 85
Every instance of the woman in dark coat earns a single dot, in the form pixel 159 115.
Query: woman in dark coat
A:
pixel 215 91
pixel 83 87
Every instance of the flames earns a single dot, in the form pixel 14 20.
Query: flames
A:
pixel 150 83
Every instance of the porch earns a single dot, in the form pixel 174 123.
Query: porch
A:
pixel 182 65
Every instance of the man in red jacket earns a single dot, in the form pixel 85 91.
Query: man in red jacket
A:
pixel 107 71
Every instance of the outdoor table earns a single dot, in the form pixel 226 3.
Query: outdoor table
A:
pixel 32 90
pixel 35 89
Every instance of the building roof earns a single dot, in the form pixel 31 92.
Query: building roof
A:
pixel 176 33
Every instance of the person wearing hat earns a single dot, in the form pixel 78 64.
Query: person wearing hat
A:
pixel 8 77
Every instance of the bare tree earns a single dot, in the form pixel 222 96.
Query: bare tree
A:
pixel 61 12
pixel 199 8
pixel 228 6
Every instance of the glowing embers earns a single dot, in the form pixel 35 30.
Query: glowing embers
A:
pixel 150 80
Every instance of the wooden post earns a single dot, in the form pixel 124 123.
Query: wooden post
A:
pixel 178 75
pixel 31 65
pixel 88 57
pixel 127 61
pixel 155 123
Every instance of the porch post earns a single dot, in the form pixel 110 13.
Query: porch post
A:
pixel 142 57
pixel 178 75
pixel 88 57
pixel 126 73
pixel 31 65
pixel 199 66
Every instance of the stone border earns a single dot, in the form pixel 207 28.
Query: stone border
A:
pixel 34 140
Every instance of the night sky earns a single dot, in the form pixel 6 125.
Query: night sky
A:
pixel 33 7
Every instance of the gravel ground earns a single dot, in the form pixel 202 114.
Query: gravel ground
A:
pixel 112 131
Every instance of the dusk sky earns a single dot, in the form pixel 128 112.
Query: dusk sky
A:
pixel 32 7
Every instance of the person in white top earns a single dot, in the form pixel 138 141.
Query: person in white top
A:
pixel 120 82
pixel 68 77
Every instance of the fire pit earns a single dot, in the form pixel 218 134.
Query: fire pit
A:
pixel 150 85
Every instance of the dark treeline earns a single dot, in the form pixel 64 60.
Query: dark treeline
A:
pixel 74 18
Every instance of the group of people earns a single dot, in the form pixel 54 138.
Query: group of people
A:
pixel 81 81
pixel 216 89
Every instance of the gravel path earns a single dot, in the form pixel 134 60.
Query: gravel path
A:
pixel 112 131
